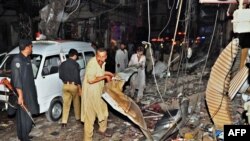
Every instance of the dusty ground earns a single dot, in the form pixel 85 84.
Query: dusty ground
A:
pixel 47 131
pixel 122 128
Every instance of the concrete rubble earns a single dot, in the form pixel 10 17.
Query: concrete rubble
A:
pixel 192 127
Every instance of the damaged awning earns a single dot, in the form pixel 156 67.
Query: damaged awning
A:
pixel 122 103
pixel 167 125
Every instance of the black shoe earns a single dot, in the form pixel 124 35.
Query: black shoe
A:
pixel 105 134
pixel 64 125
pixel 30 137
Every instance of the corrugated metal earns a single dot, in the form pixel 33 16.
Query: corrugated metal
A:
pixel 114 96
pixel 237 82
pixel 219 104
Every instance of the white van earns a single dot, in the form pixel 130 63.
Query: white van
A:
pixel 46 58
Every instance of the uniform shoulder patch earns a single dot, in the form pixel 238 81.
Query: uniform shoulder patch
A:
pixel 18 65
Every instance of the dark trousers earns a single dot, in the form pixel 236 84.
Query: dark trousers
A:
pixel 24 124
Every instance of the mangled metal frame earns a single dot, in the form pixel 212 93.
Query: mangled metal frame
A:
pixel 168 125
pixel 114 96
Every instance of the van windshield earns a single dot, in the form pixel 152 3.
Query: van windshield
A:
pixel 5 69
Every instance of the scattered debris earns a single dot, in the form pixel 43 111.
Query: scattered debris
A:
pixel 154 112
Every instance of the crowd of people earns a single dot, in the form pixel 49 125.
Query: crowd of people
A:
pixel 86 95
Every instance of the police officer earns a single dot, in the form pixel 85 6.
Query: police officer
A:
pixel 69 73
pixel 22 79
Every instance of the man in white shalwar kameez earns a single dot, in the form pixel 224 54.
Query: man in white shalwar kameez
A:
pixel 138 81
pixel 149 60
pixel 121 58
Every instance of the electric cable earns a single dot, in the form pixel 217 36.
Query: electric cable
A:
pixel 151 55
pixel 71 3
pixel 208 54
pixel 157 87
pixel 169 5
pixel 209 49
pixel 79 1
pixel 170 15
pixel 172 47
pixel 188 7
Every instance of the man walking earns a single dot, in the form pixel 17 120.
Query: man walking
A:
pixel 93 106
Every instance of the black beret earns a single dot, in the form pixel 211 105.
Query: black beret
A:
pixel 73 52
pixel 23 43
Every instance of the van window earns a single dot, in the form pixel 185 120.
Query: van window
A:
pixel 2 56
pixel 6 67
pixel 88 55
pixel 51 65
pixel 80 60
pixel 35 61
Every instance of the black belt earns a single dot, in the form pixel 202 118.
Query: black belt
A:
pixel 67 82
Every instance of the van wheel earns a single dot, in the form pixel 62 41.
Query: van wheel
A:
pixel 55 110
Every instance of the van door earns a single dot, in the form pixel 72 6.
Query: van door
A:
pixel 81 61
pixel 87 56
pixel 2 55
pixel 5 72
pixel 48 84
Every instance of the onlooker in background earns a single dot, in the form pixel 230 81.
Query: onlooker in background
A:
pixel 93 106
pixel 166 52
pixel 176 57
pixel 94 45
pixel 157 54
pixel 69 73
pixel 138 81
pixel 121 58
pixel 149 60
pixel 22 79
pixel 130 49
pixel 110 63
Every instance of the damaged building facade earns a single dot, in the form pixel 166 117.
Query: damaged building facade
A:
pixel 97 21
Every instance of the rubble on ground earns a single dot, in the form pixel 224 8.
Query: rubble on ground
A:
pixel 195 127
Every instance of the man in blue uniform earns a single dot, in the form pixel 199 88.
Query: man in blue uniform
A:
pixel 22 79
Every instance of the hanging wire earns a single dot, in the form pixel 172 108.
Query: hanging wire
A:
pixel 157 87
pixel 71 3
pixel 186 38
pixel 177 4
pixel 151 55
pixel 223 93
pixel 170 15
pixel 172 47
pixel 208 54
pixel 169 5
pixel 78 4
pixel 109 10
